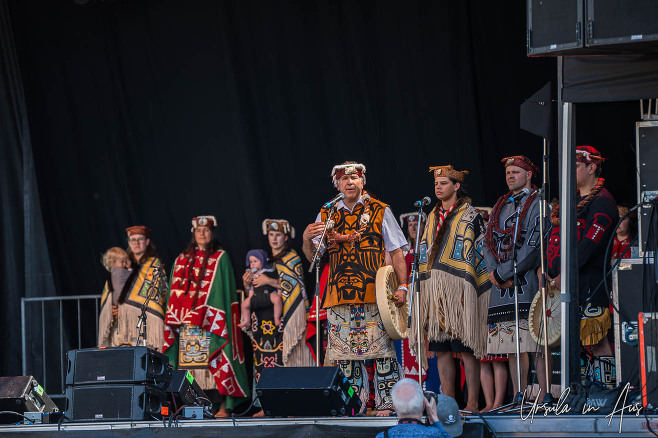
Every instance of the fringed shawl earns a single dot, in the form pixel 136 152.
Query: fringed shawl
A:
pixel 454 283
pixel 291 274
pixel 149 279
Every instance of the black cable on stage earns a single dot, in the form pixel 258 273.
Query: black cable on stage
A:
pixel 247 410
pixel 59 423
pixel 486 424
pixel 172 417
pixel 18 414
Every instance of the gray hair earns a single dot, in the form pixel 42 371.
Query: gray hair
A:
pixel 408 397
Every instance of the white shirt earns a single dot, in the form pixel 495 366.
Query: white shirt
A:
pixel 391 231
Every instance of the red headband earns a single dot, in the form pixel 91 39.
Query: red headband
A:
pixel 588 154
pixel 522 162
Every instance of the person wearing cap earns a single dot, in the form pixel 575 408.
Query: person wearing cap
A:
pixel 288 264
pixel 498 254
pixel 147 278
pixel 454 285
pixel 410 403
pixel 597 216
pixel 363 229
pixel 201 326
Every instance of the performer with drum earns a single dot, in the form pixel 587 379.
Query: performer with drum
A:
pixel 362 228
pixel 499 238
pixel 454 286
pixel 597 216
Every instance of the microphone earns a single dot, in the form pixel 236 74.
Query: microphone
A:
pixel 518 196
pixel 425 201
pixel 333 202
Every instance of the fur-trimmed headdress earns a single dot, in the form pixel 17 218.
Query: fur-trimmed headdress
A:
pixel 203 221
pixel 348 169
pixel 412 217
pixel 281 225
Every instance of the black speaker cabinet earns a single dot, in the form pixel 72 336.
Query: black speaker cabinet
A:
pixel 627 297
pixel 185 390
pixel 306 391
pixel 622 24
pixel 23 394
pixel 646 137
pixel 591 27
pixel 118 365
pixel 114 402
pixel 554 26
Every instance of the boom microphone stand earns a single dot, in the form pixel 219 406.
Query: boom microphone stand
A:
pixel 543 195
pixel 548 399
pixel 315 262
pixel 518 398
pixel 415 292
pixel 141 323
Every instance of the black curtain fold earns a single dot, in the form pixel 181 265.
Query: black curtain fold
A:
pixel 152 112
pixel 25 268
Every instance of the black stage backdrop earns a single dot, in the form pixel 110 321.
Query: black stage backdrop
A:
pixel 152 112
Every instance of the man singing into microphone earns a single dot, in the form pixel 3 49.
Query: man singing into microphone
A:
pixel 519 171
pixel 363 228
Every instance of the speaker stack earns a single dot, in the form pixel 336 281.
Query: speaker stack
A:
pixel 116 384
pixel 589 27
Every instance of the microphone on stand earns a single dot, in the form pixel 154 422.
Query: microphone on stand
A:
pixel 333 202
pixel 523 193
pixel 425 201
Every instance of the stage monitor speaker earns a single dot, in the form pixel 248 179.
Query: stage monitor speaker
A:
pixel 118 365
pixel 23 394
pixel 646 138
pixel 648 365
pixel 306 391
pixel 621 25
pixel 115 402
pixel 554 26
pixel 627 298
pixel 185 390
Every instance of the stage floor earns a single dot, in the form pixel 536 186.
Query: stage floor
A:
pixel 509 425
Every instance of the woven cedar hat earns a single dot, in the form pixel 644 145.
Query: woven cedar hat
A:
pixel 449 172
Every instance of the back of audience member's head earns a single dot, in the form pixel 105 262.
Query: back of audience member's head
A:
pixel 408 398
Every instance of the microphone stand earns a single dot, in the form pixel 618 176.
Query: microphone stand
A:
pixel 141 323
pixel 415 291
pixel 544 194
pixel 518 398
pixel 315 262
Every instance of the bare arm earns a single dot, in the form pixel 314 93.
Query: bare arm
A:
pixel 400 268
pixel 312 231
